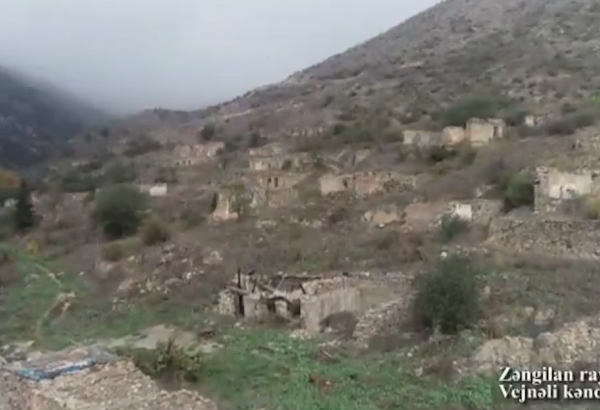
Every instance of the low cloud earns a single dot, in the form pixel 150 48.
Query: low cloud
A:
pixel 134 54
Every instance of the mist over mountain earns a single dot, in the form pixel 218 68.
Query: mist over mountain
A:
pixel 37 118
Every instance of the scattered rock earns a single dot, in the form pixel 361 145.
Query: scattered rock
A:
pixel 213 258
pixel 572 343
pixel 16 351
pixel 383 216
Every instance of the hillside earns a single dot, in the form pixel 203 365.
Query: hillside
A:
pixel 36 119
pixel 385 230
pixel 542 54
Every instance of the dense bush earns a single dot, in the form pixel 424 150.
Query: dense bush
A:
pixel 89 166
pixel 208 132
pixel 140 146
pixel 119 210
pixel 447 297
pixel 570 123
pixel 73 182
pixel 518 191
pixel 466 108
pixel 113 251
pixel 120 173
pixel 167 360
pixel 24 216
pixel 452 226
pixel 256 140
pixel 515 116
pixel 155 231
pixel 166 175
pixel 438 153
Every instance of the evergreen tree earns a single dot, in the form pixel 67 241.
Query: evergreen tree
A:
pixel 24 216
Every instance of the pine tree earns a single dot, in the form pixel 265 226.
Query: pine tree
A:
pixel 24 216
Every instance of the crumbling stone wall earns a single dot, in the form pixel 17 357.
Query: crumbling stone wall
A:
pixel 481 132
pixel 274 180
pixel 231 201
pixel 554 187
pixel 587 142
pixel 269 150
pixel 279 162
pixel 421 138
pixel 477 211
pixel 478 132
pixel 316 308
pixel 274 188
pixel 307 132
pixel 366 183
pixel 384 215
pixel 274 198
pixel 382 319
pixel 319 299
pixel 533 120
pixel 266 163
pixel 422 216
pixel 564 238
pixel 453 135
pixel 190 155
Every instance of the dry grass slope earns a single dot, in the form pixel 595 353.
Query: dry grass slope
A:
pixel 538 52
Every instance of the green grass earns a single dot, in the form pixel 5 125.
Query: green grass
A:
pixel 257 369
pixel 25 302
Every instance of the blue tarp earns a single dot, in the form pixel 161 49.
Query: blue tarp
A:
pixel 46 374
pixel 51 367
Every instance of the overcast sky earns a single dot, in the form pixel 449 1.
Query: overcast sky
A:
pixel 134 54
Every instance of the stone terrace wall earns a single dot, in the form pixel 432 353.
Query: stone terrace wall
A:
pixel 383 319
pixel 563 238
pixel 478 211
pixel 363 184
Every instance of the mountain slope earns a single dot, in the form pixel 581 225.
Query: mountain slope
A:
pixel 542 53
pixel 36 119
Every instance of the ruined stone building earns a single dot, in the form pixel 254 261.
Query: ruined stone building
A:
pixel 366 183
pixel 274 187
pixel 269 150
pixel 306 132
pixel 276 157
pixel 478 132
pixel 554 187
pixel 231 201
pixel 422 139
pixel 190 155
pixel 481 132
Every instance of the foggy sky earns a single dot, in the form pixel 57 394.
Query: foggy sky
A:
pixel 129 55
